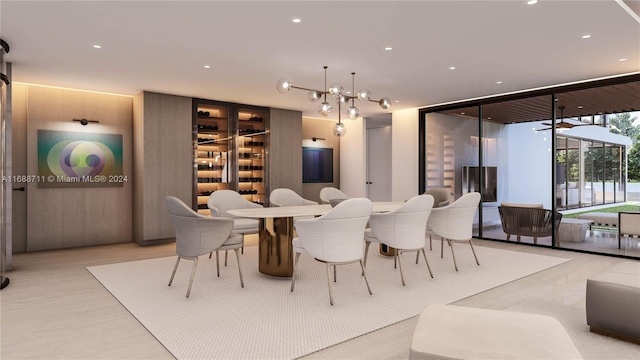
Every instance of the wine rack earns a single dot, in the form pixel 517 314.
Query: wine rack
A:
pixel 251 141
pixel 211 161
pixel 230 142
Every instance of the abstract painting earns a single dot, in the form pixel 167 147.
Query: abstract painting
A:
pixel 74 159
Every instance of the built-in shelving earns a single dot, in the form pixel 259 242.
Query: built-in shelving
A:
pixel 252 142
pixel 211 160
pixel 230 142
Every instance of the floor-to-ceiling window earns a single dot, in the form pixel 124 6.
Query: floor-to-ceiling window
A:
pixel 553 147
pixel 589 173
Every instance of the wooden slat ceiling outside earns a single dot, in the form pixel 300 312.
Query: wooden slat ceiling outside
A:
pixel 610 99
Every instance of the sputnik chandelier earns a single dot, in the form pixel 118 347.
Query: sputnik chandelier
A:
pixel 337 92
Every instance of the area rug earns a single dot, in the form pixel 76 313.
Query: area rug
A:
pixel 221 320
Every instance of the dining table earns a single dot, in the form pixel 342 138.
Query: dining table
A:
pixel 276 231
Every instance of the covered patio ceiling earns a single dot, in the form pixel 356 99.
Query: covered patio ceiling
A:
pixel 596 100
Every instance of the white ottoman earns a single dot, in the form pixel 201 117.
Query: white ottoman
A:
pixel 573 230
pixel 455 332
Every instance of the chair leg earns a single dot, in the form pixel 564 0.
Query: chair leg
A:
pixel 425 260
pixel 400 264
pixel 441 247
pixel 417 256
pixel 366 252
pixel 295 266
pixel 474 252
pixel 535 240
pixel 455 265
pixel 174 271
pixel 239 268
pixel 365 278
pixel 508 236
pixel 225 257
pixel 518 238
pixel 329 282
pixel 335 274
pixel 395 258
pixel 210 254
pixel 193 273
pixel 430 246
pixel 217 264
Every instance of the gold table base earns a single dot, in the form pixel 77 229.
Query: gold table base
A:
pixel 387 250
pixel 275 257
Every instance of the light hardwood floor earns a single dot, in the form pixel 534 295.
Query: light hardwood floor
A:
pixel 55 309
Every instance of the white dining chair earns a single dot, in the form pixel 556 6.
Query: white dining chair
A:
pixel 221 201
pixel 331 193
pixel 198 235
pixel 402 229
pixel 288 197
pixel 335 238
pixel 441 197
pixel 454 223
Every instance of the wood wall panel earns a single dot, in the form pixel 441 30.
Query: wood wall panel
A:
pixel 165 147
pixel 321 128
pixel 285 150
pixel 72 217
pixel 138 167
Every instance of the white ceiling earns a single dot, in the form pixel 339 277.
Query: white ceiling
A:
pixel 161 46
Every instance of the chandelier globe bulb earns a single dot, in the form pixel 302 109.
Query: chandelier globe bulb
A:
pixel 385 103
pixel 364 94
pixel 314 95
pixel 336 90
pixel 339 129
pixel 283 85
pixel 353 112
pixel 325 109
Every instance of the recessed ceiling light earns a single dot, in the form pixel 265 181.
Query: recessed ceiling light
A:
pixel 579 106
pixel 622 59
pixel 586 36
pixel 452 67
pixel 397 101
pixel 96 46
pixel 296 20
pixel 462 113
pixel 498 82
pixel 207 66
pixel 388 48
pixel 489 118
pixel 531 2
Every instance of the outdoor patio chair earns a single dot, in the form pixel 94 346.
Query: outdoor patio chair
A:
pixel 527 221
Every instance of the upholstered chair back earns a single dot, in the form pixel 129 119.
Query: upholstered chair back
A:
pixel 441 196
pixel 221 201
pixel 629 223
pixel 455 221
pixel 196 234
pixel 288 197
pixel 337 236
pixel 404 227
pixel 330 193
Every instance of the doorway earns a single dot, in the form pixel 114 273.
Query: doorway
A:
pixel 379 158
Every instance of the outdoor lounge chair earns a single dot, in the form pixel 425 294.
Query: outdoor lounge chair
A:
pixel 527 221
